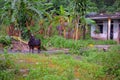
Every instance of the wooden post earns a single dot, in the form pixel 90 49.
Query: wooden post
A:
pixel 109 27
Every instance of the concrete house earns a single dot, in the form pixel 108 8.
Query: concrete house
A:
pixel 107 26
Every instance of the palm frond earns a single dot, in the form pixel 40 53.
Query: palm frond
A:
pixel 35 11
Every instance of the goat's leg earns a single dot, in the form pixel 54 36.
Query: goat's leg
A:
pixel 39 50
pixel 29 49
pixel 32 49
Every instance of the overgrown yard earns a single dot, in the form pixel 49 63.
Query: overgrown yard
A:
pixel 82 62
pixel 91 65
pixel 66 32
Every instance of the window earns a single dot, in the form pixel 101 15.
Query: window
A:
pixel 100 28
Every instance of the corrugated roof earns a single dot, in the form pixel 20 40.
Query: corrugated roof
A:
pixel 104 16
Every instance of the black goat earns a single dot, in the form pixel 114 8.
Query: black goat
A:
pixel 34 43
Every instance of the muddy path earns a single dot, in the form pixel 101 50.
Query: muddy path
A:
pixel 26 51
pixel 19 46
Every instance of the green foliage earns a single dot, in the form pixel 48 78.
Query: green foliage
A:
pixel 105 42
pixel 81 7
pixel 3 30
pixel 109 6
pixel 21 11
pixel 5 40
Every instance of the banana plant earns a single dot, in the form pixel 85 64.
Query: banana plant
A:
pixel 63 18
pixel 21 11
pixel 85 22
pixel 81 8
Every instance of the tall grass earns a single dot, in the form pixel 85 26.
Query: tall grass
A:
pixel 74 45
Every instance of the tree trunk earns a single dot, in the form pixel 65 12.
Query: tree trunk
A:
pixel 64 33
pixel 77 25
pixel 76 38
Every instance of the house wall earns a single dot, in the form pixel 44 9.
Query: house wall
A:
pixel 115 30
pixel 102 36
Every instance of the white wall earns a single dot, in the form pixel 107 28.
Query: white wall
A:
pixel 115 29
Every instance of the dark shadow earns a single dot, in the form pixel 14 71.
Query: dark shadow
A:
pixel 111 32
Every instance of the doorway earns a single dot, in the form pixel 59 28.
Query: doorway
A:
pixel 111 31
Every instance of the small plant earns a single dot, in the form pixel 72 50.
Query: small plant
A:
pixel 97 31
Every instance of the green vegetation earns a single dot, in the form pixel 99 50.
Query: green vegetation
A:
pixel 92 65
